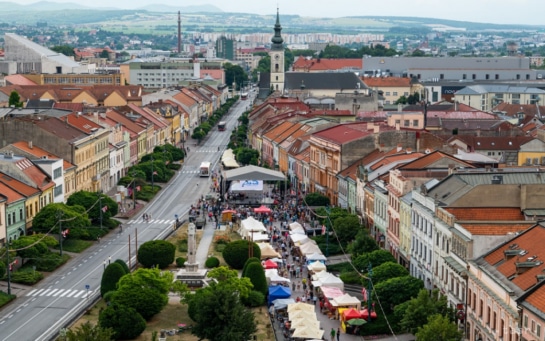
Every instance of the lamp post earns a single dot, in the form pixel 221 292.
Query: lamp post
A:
pixel 100 206
pixel 134 189
pixel 59 218
pixel 9 265
pixel 328 210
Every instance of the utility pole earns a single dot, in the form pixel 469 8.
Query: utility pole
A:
pixel 369 290
pixel 59 217
pixel 152 173
pixel 9 265
pixel 133 189
pixel 328 210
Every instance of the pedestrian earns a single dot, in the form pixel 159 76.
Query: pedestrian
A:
pixel 314 299
pixel 338 333
pixel 332 334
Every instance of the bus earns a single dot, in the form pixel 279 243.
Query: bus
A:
pixel 243 95
pixel 205 169
pixel 221 125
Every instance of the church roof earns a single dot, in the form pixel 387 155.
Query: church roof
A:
pixel 328 80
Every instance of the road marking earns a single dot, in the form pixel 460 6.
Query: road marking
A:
pixel 45 292
pixel 37 292
pixel 31 292
pixel 58 293
pixel 79 294
pixel 52 292
pixel 72 293
pixel 18 310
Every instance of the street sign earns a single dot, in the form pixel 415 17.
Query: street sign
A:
pixel 87 286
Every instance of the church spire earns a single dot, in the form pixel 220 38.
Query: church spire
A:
pixel 277 41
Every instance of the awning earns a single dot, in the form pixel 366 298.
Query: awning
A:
pixel 454 265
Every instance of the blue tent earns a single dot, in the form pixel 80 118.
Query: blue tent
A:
pixel 278 291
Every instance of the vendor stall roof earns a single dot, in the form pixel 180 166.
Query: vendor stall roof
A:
pixel 253 173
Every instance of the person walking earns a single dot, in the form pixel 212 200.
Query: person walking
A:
pixel 332 334
pixel 338 333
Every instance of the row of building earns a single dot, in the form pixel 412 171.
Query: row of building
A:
pixel 56 145
pixel 443 204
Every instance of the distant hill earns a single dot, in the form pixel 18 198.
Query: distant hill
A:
pixel 6 6
pixel 183 9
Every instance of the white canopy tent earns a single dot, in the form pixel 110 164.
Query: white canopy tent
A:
pixel 295 225
pixel 330 281
pixel 316 256
pixel 267 251
pixel 346 301
pixel 254 173
pixel 308 333
pixel 316 266
pixel 298 230
pixel 299 238
pixel 250 225
pixel 309 248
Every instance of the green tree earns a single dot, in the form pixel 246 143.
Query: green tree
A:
pixel 110 277
pixel 15 100
pixel 235 253
pixel 316 199
pixel 67 50
pixel 248 261
pixel 156 253
pixel 247 156
pixel 145 290
pixel 418 309
pixel 388 270
pixel 47 218
pixel 346 228
pixel 439 328
pixel 363 243
pixel 376 258
pixel 234 73
pixel 33 246
pixel 104 54
pixel 95 204
pixel 125 321
pixel 256 274
pixel 397 290
pixel 123 265
pixel 88 331
pixel 417 53
pixel 229 278
pixel 219 314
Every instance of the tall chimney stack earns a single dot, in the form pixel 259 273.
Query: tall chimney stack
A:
pixel 179 33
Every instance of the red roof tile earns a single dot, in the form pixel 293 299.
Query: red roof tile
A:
pixel 486 213
pixel 495 229
pixel 39 152
pixel 321 64
pixel 381 82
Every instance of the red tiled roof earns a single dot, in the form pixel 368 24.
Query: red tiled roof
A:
pixel 10 194
pixel 495 229
pixel 530 244
pixel 18 80
pixel 18 186
pixel 493 142
pixel 39 152
pixel 35 174
pixel 486 213
pixel 432 158
pixel 537 298
pixel 381 82
pixel 302 64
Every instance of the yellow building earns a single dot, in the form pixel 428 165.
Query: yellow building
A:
pixel 392 87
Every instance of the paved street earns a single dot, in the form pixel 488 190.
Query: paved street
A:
pixel 40 311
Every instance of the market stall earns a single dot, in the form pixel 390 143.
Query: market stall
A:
pixel 278 291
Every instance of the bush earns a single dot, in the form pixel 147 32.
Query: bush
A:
pixel 49 261
pixel 5 298
pixel 26 276
pixel 126 322
pixel 123 265
pixel 156 253
pixel 110 277
pixel 91 233
pixel 212 262
pixel 180 262
pixel 350 277
pixel 235 253
pixel 75 245
pixel 254 299
pixel 256 274
pixel 250 260
pixel 220 247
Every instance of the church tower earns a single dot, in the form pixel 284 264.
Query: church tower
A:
pixel 277 57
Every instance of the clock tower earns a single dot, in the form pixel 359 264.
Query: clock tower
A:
pixel 277 57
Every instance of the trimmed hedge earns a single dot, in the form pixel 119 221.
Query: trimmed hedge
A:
pixel 123 265
pixel 180 261
pixel 156 253
pixel 110 277
pixel 256 274
pixel 250 260
pixel 212 262
pixel 235 253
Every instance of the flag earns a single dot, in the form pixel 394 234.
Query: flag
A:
pixel 167 162
pixel 105 208
pixel 65 232
pixel 364 293
pixel 323 229
pixel 138 188
pixel 129 191
pixel 154 173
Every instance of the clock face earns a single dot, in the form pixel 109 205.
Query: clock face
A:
pixel 276 56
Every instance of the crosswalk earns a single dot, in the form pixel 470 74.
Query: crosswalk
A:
pixel 206 151
pixel 152 221
pixel 68 293
pixel 190 172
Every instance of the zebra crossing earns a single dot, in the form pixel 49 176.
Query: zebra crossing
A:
pixel 190 171
pixel 152 221
pixel 206 151
pixel 68 293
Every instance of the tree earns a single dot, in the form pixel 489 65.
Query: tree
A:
pixel 15 100
pixel 47 218
pixel 110 277
pixel 397 290
pixel 145 290
pixel 87 331
pixel 125 321
pixel 346 228
pixel 363 243
pixel 418 53
pixel 418 309
pixel 234 73
pixel 123 265
pixel 67 50
pixel 235 253
pixel 388 270
pixel 33 246
pixel 247 156
pixel 256 274
pixel 219 315
pixel 229 278
pixel 104 54
pixel 156 253
pixel 376 258
pixel 316 199
pixel 96 204
pixel 439 328
pixel 248 261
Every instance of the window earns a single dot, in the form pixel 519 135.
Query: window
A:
pixel 525 323
pixel 538 330
pixel 406 123
pixel 464 76
pixel 415 123
pixel 387 93
pixel 395 93
pixel 533 326
pixel 57 173
pixel 474 76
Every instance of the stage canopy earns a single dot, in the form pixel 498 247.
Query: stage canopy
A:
pixel 254 173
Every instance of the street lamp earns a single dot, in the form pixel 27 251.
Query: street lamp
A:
pixel 59 218
pixel 134 189
pixel 152 173
pixel 100 206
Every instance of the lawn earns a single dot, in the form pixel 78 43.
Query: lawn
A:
pixel 75 245
pixel 5 298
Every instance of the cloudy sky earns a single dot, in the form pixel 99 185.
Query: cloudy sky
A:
pixel 487 11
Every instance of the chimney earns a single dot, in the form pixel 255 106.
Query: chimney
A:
pixel 30 144
pixel 8 154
